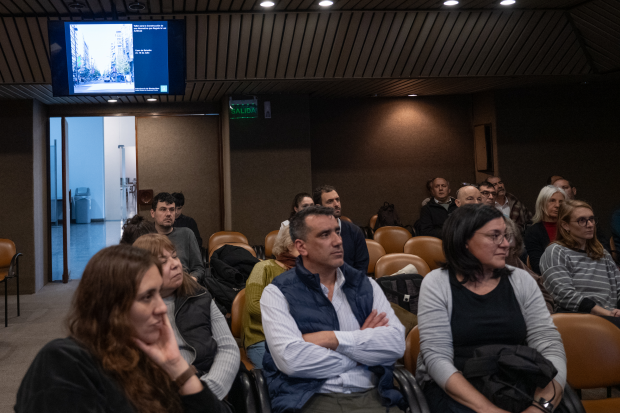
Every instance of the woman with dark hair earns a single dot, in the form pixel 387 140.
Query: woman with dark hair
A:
pixel 577 270
pixel 121 354
pixel 302 200
pixel 135 227
pixel 475 300
pixel 200 329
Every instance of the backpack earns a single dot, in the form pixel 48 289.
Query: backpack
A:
pixel 387 217
pixel 403 290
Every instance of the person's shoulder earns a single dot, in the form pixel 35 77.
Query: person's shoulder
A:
pixel 66 348
pixel 62 356
pixel 288 277
pixel 267 265
pixel 437 277
pixel 520 275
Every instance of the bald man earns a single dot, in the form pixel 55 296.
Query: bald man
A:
pixel 468 195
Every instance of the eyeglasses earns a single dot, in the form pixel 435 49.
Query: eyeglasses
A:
pixel 584 221
pixel 487 193
pixel 499 238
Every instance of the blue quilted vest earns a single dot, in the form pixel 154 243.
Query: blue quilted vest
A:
pixel 313 312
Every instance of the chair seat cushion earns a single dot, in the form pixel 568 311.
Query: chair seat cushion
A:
pixel 602 405
pixel 3 273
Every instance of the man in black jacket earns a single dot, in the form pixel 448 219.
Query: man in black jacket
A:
pixel 181 220
pixel 436 211
pixel 353 241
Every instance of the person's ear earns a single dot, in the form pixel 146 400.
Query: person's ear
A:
pixel 152 213
pixel 574 191
pixel 457 202
pixel 301 247
pixel 565 226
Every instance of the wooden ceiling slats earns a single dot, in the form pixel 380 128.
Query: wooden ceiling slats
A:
pixel 328 43
pixel 477 22
pixel 264 46
pixel 598 22
pixel 305 47
pixel 369 44
pixel 31 53
pixel 254 49
pixel 381 43
pixel 316 45
pixel 545 48
pixel 190 46
pixel 335 54
pixel 449 27
pixel 532 43
pixel 201 46
pixel 348 29
pixel 9 54
pixel 557 52
pixel 281 52
pixel 429 43
pixel 451 42
pixel 415 40
pixel 481 37
pixel 223 46
pixel 212 40
pixel 233 48
pixel 500 28
pixel 295 48
pixel 570 55
pixel 398 45
pixel 244 47
pixel 20 47
pixel 521 37
pixel 506 42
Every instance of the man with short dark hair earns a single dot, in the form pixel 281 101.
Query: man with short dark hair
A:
pixel 468 194
pixel 436 211
pixel 565 184
pixel 332 336
pixel 183 221
pixel 184 240
pixel 488 192
pixel 509 205
pixel 354 243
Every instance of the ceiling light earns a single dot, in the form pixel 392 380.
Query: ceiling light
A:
pixel 76 5
pixel 326 3
pixel 152 100
pixel 268 4
pixel 112 100
pixel 412 95
pixel 450 3
pixel 137 6
pixel 507 2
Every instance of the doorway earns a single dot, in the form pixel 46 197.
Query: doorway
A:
pixel 98 184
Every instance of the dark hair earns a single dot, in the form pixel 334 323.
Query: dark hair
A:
pixel 179 198
pixel 318 192
pixel 135 227
pixel 550 180
pixel 164 197
pixel 429 185
pixel 298 227
pixel 486 183
pixel 458 229
pixel 297 200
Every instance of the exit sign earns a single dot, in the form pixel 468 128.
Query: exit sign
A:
pixel 243 108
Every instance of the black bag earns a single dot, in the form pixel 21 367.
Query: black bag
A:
pixel 403 290
pixel 508 375
pixel 387 217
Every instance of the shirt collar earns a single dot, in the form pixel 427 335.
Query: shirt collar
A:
pixel 505 203
pixel 437 201
pixel 339 281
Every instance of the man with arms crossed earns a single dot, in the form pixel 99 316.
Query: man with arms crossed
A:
pixel 184 240
pixel 332 337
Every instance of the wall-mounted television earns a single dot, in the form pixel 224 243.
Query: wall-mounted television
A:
pixel 117 57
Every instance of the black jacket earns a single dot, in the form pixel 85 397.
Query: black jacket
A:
pixel 433 216
pixel 188 222
pixel 536 241
pixel 192 316
pixel 354 245
pixel 65 377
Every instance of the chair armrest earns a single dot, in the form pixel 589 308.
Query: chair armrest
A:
pixel 262 391
pixel 14 267
pixel 571 401
pixel 417 390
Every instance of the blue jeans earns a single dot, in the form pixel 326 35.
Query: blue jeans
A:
pixel 255 353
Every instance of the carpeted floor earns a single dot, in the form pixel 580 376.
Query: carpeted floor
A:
pixel 41 320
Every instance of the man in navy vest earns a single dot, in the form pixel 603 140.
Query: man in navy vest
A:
pixel 331 336
pixel 353 241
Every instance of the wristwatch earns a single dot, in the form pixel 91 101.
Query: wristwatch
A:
pixel 545 404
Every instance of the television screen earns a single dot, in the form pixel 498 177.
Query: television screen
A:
pixel 117 58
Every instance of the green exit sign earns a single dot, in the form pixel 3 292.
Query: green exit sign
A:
pixel 244 111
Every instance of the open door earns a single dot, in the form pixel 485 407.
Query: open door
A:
pixel 66 202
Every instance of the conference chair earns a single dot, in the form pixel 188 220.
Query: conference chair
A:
pixel 345 218
pixel 270 239
pixel 236 244
pixel 430 249
pixel 392 239
pixel 412 350
pixel 225 237
pixel 592 346
pixel 375 251
pixel 9 268
pixel 373 221
pixel 236 325
pixel 391 263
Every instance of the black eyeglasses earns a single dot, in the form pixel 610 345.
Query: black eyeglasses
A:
pixel 584 221
pixel 487 193
pixel 498 238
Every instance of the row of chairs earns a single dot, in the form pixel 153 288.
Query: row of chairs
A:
pixel 429 249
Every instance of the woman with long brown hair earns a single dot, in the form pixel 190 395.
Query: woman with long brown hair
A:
pixel 200 329
pixel 121 354
pixel 576 269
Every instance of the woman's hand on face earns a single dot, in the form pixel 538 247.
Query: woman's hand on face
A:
pixel 165 351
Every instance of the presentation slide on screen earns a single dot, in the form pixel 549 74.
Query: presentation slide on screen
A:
pixel 118 58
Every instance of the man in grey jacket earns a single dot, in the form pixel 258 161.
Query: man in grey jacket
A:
pixel 184 240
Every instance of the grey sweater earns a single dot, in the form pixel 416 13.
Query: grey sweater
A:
pixel 572 277
pixel 435 361
pixel 188 251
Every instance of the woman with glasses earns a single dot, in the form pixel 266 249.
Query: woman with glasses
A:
pixel 576 270
pixel 474 300
pixel 543 232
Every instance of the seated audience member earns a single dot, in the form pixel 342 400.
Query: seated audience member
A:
pixel 200 329
pixel 576 269
pixel 488 192
pixel 509 205
pixel 551 180
pixel 436 211
pixel 121 354
pixel 263 273
pixel 468 194
pixel 332 337
pixel 429 187
pixel 353 240
pixel 538 236
pixel 184 240
pixel 615 231
pixel 301 201
pixel 135 227
pixel 183 221
pixel 513 259
pixel 477 300
pixel 568 188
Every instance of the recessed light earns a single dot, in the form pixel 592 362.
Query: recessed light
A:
pixel 412 95
pixel 450 3
pixel 152 100
pixel 76 5
pixel 268 4
pixel 112 100
pixel 326 3
pixel 137 6
pixel 507 2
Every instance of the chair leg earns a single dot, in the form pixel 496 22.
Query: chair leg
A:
pixel 17 278
pixel 6 304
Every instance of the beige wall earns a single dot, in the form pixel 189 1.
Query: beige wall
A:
pixel 24 179
pixel 181 154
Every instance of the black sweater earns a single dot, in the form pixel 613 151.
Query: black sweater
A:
pixel 65 377
pixel 536 240
pixel 433 216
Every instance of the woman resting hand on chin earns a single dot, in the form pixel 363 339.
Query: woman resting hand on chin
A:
pixel 121 354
